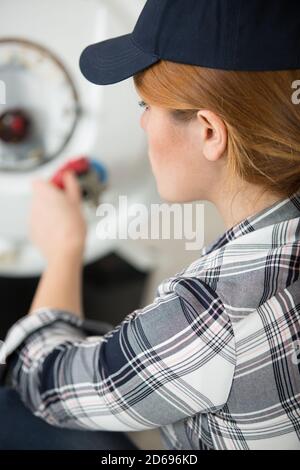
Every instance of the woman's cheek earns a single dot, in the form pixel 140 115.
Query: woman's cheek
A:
pixel 159 144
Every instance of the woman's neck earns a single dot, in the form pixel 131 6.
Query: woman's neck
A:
pixel 243 203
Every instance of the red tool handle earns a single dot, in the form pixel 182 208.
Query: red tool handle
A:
pixel 79 166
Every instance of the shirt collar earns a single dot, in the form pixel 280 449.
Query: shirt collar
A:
pixel 285 209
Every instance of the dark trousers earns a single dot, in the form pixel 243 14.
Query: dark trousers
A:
pixel 21 430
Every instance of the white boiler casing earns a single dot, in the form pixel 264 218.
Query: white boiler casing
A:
pixel 108 125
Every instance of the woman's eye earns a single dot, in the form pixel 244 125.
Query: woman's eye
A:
pixel 143 105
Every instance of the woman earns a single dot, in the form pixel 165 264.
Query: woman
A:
pixel 213 360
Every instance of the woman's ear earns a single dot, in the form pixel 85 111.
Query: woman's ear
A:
pixel 214 135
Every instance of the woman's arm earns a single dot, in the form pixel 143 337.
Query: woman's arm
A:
pixel 60 286
pixel 163 363
pixel 58 230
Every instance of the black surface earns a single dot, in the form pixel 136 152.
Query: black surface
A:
pixel 111 289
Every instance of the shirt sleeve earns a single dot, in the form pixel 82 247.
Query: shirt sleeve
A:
pixel 163 363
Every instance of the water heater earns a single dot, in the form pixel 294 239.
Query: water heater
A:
pixel 52 114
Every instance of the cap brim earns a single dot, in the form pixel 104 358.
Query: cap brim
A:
pixel 114 60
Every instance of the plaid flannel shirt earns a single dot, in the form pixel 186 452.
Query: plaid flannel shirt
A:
pixel 213 362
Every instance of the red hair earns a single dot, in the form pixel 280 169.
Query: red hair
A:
pixel 262 121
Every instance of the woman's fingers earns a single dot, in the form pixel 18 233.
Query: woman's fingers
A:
pixel 38 184
pixel 72 187
pixel 44 187
pixel 56 220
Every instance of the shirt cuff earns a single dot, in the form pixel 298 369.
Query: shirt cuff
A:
pixel 30 324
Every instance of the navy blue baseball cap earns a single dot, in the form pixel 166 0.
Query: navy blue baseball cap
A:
pixel 245 35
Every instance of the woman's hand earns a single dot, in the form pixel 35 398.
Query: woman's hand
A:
pixel 57 225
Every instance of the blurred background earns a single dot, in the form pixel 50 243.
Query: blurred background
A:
pixel 52 115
